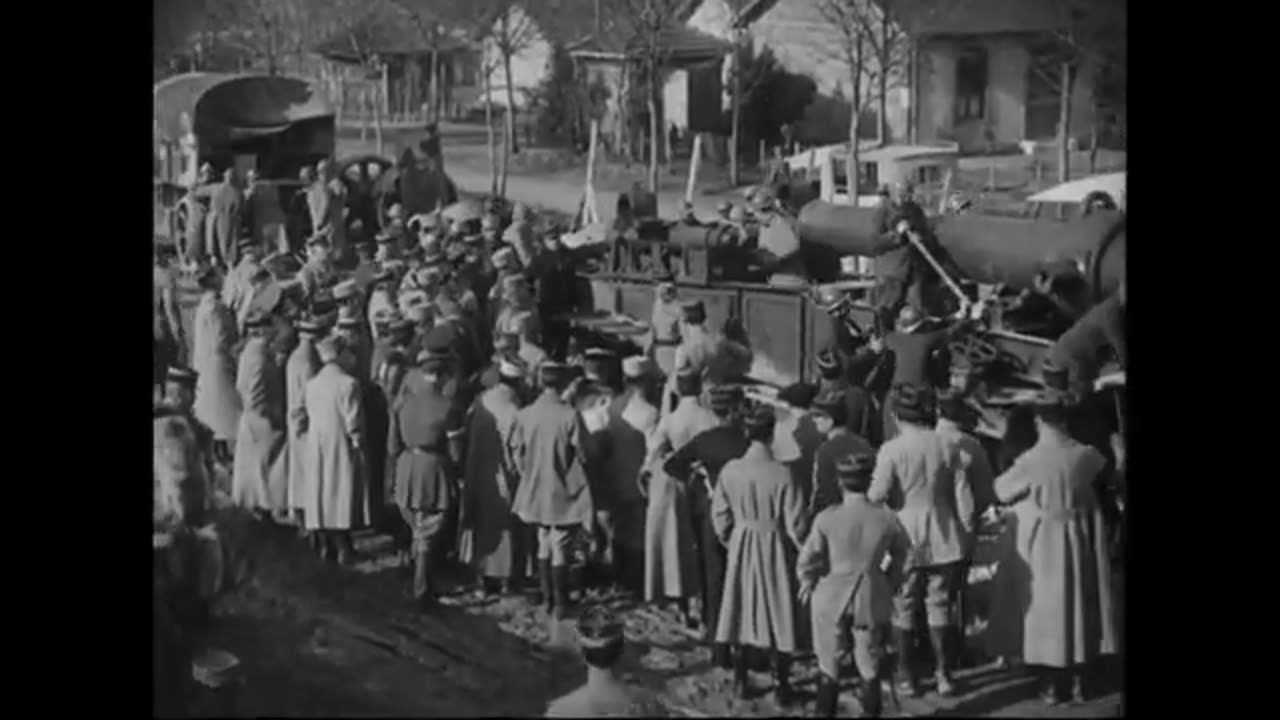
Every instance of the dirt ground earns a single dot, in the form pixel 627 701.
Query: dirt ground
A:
pixel 319 640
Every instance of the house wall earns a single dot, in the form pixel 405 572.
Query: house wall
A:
pixel 1009 62
pixel 529 66
pixel 675 99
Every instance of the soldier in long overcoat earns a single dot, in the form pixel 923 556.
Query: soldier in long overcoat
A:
pixel 338 499
pixel 670 562
pixel 698 466
pixel 168 339
pixel 424 472
pixel 632 418
pixel 548 444
pixel 225 210
pixel 760 514
pixel 924 477
pixel 1058 585
pixel 303 364
pixel 214 330
pixel 259 477
pixel 849 568
pixel 194 250
pixel 492 535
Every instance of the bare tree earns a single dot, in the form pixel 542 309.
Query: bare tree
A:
pixel 648 20
pixel 853 20
pixel 1093 36
pixel 478 19
pixel 735 86
pixel 513 31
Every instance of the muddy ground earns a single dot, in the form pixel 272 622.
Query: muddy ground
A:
pixel 315 639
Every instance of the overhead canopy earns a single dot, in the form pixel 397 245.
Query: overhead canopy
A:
pixel 219 106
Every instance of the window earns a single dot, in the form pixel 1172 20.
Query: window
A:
pixel 928 174
pixel 971 84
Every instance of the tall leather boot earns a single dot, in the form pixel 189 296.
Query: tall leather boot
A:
pixel 828 695
pixel 782 693
pixel 870 698
pixel 423 594
pixel 906 672
pixel 721 657
pixel 938 637
pixel 547 597
pixel 560 588
pixel 740 660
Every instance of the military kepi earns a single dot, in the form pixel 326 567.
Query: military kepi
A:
pixel 599 628
pixel 856 465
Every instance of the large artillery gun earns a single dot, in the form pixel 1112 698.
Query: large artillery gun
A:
pixel 1001 266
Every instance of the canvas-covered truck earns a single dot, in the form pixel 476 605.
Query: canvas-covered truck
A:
pixel 271 124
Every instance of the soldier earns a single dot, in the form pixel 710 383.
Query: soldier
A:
pixel 919 354
pixel 504 347
pixel 506 267
pixel 259 477
pixel 830 420
pixel 601 637
pixel 1059 593
pixel 664 326
pixel 382 298
pixel 732 360
pixel 670 564
pixel 298 223
pixel 194 250
pixel 698 466
pixel 170 344
pixel 598 367
pixel 697 346
pixel 530 352
pixel 777 240
pixel 519 234
pixel 759 513
pixel 241 275
pixel 263 295
pixel 303 364
pixel 326 209
pixel 516 304
pixel 1079 349
pixel 424 481
pixel 225 210
pixel 184 445
pixel 920 475
pixel 548 445
pixel 553 273
pixel 858 403
pixel 849 568
pixel 631 419
pixel 317 276
pixel 956 421
pixel 493 535
pixel 338 498
pixel 217 402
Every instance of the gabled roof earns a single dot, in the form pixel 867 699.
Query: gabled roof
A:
pixel 951 17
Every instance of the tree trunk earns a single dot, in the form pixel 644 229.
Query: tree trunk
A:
pixel 885 59
pixel 624 119
pixel 511 98
pixel 655 141
pixel 1064 123
pixel 1094 133
pixel 434 88
pixel 854 161
pixel 488 125
pixel 378 94
pixel 735 109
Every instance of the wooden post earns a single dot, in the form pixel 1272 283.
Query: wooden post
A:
pixel 946 192
pixel 1037 167
pixel 813 160
pixel 694 162
pixel 991 176
pixel 590 213
pixel 380 106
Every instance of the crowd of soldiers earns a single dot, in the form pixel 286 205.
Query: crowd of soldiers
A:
pixel 432 389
